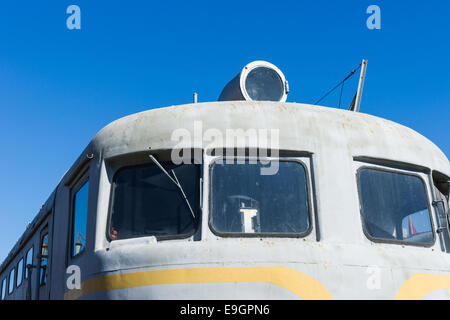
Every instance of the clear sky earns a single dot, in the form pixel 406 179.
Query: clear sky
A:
pixel 58 87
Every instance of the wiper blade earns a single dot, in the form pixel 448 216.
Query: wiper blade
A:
pixel 175 181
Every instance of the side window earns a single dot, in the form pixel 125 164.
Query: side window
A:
pixel 28 260
pixel 12 274
pixel 4 289
pixel 441 204
pixel 19 273
pixel 79 220
pixel 394 207
pixel 44 260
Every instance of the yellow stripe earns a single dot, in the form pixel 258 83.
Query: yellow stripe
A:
pixel 300 284
pixel 421 284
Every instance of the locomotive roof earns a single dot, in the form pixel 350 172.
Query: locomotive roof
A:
pixel 301 127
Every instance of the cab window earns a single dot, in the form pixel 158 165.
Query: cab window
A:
pixel 12 274
pixel 245 202
pixel 19 273
pixel 4 289
pixel 80 210
pixel 146 202
pixel 44 260
pixel 28 261
pixel 394 207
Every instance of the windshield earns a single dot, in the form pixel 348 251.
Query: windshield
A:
pixel 147 203
pixel 245 202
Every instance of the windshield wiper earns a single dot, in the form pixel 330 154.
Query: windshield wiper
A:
pixel 175 181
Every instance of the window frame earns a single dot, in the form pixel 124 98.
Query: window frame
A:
pixel 11 291
pixel 26 275
pixel 390 241
pixel 198 213
pixel 74 189
pixel 4 286
pixel 309 195
pixel 22 273
pixel 41 242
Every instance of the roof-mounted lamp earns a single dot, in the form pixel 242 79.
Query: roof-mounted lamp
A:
pixel 257 81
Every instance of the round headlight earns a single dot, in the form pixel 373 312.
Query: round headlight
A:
pixel 258 81
pixel 264 84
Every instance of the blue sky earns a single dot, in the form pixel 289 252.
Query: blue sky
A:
pixel 58 87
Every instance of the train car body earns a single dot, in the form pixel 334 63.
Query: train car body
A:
pixel 312 230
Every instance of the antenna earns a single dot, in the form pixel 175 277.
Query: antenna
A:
pixel 338 85
pixel 357 99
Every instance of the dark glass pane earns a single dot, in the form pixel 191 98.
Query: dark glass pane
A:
pixel 80 219
pixel 264 84
pixel 29 260
pixel 147 203
pixel 19 272
pixel 44 260
pixel 395 206
pixel 244 201
pixel 11 281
